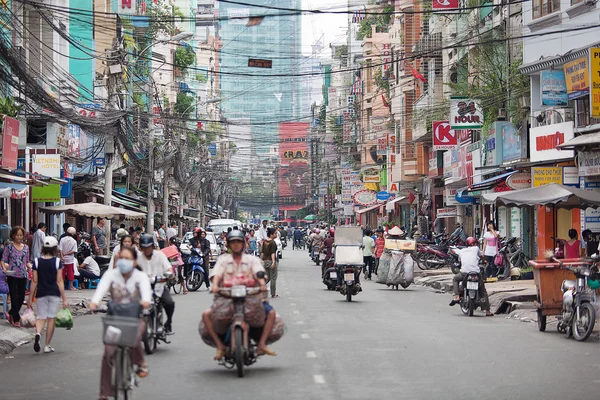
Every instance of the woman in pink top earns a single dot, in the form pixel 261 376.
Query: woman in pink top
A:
pixel 573 245
pixel 379 246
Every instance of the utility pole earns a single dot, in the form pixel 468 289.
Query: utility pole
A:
pixel 506 35
pixel 166 197
pixel 150 219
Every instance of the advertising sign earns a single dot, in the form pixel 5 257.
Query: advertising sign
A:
pixel 10 142
pixel 379 133
pixel 238 16
pixel 365 197
pixel 590 217
pixel 383 196
pixel 450 194
pixel 570 176
pixel 588 163
pixel 595 89
pixel 577 76
pixel 546 175
pixel 465 114
pixel 518 181
pixel 386 58
pixel 473 162
pixel 444 137
pixel 294 168
pixel 447 164
pixel 447 212
pixel 74 137
pixel 492 141
pixel 511 143
pixel 445 4
pixel 554 88
pixel 544 139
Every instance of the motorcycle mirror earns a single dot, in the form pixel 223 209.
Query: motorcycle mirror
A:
pixel 260 275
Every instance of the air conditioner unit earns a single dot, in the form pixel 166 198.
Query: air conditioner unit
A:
pixel 558 115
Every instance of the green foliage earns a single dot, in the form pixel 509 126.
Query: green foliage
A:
pixel 184 104
pixel 383 85
pixel 138 99
pixel 9 107
pixel 303 212
pixel 166 101
pixel 201 78
pixel 381 22
pixel 161 19
pixel 341 51
pixel 183 58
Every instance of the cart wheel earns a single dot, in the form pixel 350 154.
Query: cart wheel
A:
pixel 541 321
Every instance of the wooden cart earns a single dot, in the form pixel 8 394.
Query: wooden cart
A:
pixel 548 277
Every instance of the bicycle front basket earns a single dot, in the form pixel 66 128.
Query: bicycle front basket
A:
pixel 120 331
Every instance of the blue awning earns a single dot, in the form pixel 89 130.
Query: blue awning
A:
pixel 15 186
pixel 491 182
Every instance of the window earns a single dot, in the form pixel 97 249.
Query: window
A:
pixel 545 7
pixel 582 117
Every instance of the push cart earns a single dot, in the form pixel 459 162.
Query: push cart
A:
pixel 548 277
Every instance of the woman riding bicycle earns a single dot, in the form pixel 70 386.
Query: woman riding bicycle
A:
pixel 126 285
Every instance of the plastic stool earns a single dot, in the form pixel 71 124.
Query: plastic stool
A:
pixel 4 298
pixel 75 284
pixel 93 283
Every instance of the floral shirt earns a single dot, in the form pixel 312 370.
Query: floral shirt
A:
pixel 16 260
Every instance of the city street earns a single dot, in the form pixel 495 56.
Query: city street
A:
pixel 387 344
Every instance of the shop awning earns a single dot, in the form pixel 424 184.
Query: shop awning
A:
pixel 491 182
pixel 588 140
pixel 559 196
pixel 364 210
pixel 119 201
pixel 389 206
pixel 93 210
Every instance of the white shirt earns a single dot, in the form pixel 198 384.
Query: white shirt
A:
pixel 491 247
pixel 262 234
pixel 91 265
pixel 155 237
pixel 469 259
pixel 171 232
pixel 369 244
pixel 116 250
pixel 113 280
pixel 157 265
pixel 66 245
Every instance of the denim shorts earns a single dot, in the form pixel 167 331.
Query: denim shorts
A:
pixel 47 306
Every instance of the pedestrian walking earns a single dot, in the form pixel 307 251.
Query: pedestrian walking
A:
pixel 48 288
pixel 37 242
pixel 162 235
pixel 369 245
pixel 68 249
pixel 99 238
pixel 16 258
pixel 269 257
pixel 172 231
pixel 490 249
pixel 379 247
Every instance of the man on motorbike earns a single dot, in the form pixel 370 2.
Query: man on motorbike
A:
pixel 227 267
pixel 328 247
pixel 297 238
pixel 316 243
pixel 469 260
pixel 155 263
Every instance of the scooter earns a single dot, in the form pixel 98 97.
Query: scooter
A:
pixel 154 318
pixel 330 276
pixel 469 289
pixel 578 313
pixel 195 277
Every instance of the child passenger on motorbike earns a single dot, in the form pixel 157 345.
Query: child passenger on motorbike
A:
pixel 227 267
pixel 469 260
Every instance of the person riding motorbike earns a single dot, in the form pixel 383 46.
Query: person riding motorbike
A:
pixel 297 238
pixel 317 242
pixel 227 267
pixel 328 247
pixel 155 263
pixel 469 260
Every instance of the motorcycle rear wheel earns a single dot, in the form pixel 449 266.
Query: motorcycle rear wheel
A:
pixel 471 307
pixel 429 264
pixel 418 259
pixel 587 321
pixel 464 306
pixel 239 351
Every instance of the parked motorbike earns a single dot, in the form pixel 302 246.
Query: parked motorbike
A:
pixel 241 348
pixel 469 293
pixel 155 321
pixel 578 313
pixel 195 277
pixel 439 256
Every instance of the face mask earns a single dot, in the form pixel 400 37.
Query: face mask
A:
pixel 125 266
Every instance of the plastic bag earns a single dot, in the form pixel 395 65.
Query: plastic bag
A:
pixel 396 271
pixel 64 319
pixel 28 318
pixel 277 332
pixel 384 267
pixel 409 272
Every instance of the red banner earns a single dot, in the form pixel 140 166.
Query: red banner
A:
pixel 10 142
pixel 445 4
pixel 444 138
pixel 294 170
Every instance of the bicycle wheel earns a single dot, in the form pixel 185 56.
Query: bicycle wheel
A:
pixel 127 380
pixel 117 373
pixel 178 286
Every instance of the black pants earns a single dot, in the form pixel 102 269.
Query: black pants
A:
pixel 206 262
pixel 161 244
pixel 368 268
pixel 168 304
pixel 16 288
pixel 490 270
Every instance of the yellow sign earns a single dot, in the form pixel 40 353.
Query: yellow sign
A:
pixel 546 175
pixel 577 77
pixel 595 89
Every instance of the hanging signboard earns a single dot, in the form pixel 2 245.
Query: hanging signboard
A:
pixel 447 212
pixel 465 114
pixel 588 163
pixel 451 5
pixel 520 180
pixel 10 142
pixel 595 84
pixel 554 88
pixel 544 139
pixel 365 197
pixel 444 137
pixel 577 76
pixel 546 175
pixel 570 176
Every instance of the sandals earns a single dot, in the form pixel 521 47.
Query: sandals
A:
pixel 142 371
pixel 266 351
pixel 274 296
pixel 220 354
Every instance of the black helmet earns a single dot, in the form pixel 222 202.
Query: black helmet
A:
pixel 146 240
pixel 236 235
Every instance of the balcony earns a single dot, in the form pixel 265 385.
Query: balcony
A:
pixel 429 45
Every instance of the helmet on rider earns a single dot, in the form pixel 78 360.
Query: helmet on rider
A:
pixel 197 230
pixel 471 241
pixel 317 231
pixel 146 241
pixel 332 232
pixel 236 235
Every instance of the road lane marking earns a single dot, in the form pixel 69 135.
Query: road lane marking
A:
pixel 305 336
pixel 311 354
pixel 296 312
pixel 299 322
pixel 293 304
pixel 319 379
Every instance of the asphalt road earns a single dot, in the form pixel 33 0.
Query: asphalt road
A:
pixel 387 344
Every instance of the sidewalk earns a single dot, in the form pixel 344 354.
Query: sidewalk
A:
pixel 11 337
pixel 502 294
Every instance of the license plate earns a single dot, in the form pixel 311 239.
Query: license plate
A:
pixel 238 291
pixel 349 277
pixel 333 275
pixel 472 285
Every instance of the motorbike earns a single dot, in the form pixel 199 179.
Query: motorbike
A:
pixel 350 287
pixel 241 348
pixel 578 312
pixel 279 244
pixel 195 276
pixel 348 255
pixel 330 276
pixel 439 257
pixel 155 324
pixel 469 292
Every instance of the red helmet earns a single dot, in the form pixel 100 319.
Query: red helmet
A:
pixel 197 230
pixel 332 232
pixel 471 241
